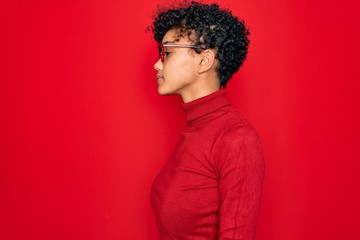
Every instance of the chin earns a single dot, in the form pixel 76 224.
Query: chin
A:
pixel 164 92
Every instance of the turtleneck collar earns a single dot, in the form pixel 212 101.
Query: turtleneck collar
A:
pixel 205 105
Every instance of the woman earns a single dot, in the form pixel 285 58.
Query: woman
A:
pixel 210 188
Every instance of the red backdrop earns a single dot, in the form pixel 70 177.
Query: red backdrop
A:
pixel 83 131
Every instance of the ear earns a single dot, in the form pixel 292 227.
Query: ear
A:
pixel 207 61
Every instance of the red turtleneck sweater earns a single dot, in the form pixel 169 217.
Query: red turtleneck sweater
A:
pixel 210 188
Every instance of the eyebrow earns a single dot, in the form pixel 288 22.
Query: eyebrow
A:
pixel 169 42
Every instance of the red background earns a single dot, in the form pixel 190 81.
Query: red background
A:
pixel 84 132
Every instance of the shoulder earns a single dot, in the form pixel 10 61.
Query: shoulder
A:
pixel 236 127
pixel 236 133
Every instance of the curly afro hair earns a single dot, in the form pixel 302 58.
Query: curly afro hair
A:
pixel 210 27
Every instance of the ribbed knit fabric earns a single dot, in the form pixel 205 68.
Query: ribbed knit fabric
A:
pixel 210 188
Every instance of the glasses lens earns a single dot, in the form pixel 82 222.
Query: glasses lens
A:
pixel 161 53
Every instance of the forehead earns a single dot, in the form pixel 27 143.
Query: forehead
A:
pixel 172 36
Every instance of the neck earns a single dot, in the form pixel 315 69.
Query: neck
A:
pixel 203 88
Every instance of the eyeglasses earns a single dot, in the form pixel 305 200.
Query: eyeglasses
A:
pixel 162 46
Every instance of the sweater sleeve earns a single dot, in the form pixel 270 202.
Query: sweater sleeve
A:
pixel 240 165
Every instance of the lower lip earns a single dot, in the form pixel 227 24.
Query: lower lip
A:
pixel 160 79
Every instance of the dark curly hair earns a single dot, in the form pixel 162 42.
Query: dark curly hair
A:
pixel 210 27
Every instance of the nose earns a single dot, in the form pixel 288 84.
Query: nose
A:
pixel 158 65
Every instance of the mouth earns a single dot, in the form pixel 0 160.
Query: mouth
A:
pixel 159 77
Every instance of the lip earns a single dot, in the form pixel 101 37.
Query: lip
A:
pixel 159 76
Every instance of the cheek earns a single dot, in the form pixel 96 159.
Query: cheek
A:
pixel 182 68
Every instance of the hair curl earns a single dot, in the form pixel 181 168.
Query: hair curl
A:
pixel 210 27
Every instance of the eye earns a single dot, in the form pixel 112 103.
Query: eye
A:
pixel 167 53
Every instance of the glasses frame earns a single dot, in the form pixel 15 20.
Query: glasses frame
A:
pixel 163 45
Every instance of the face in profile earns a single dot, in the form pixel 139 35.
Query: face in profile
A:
pixel 177 69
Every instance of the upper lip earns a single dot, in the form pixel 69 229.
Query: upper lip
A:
pixel 159 76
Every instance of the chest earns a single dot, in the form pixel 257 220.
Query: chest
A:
pixel 186 189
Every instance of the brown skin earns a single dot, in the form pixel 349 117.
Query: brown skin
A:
pixel 185 72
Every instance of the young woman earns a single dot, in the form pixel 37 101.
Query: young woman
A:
pixel 210 188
